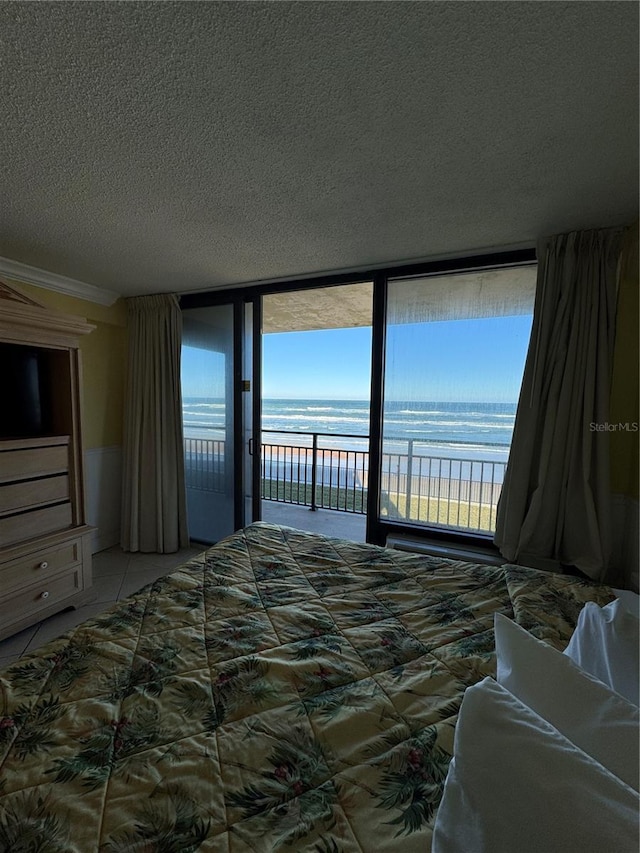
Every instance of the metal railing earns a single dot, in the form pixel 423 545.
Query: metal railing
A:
pixel 314 476
pixel 459 493
pixel 449 492
pixel 204 464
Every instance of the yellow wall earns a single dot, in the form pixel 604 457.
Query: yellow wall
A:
pixel 624 391
pixel 103 362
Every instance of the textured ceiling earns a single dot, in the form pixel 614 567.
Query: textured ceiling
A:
pixel 153 147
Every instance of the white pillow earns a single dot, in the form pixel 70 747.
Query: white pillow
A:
pixel 516 785
pixel 584 710
pixel 606 643
pixel 630 600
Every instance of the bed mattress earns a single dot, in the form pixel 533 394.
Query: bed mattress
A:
pixel 283 691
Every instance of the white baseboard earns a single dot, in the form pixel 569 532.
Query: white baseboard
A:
pixel 103 489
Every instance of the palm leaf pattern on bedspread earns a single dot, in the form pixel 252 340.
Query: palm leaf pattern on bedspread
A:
pixel 282 691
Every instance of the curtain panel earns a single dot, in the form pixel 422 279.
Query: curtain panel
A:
pixel 555 502
pixel 154 515
pixel 625 405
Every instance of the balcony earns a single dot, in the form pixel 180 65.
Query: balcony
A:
pixel 329 473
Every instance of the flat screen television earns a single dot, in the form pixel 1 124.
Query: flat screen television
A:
pixel 25 405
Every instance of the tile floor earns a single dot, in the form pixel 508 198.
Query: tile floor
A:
pixel 115 575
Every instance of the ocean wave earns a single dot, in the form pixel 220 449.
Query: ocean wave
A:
pixel 292 408
pixel 439 428
pixel 204 405
pixel 482 414
pixel 469 424
pixel 445 413
pixel 212 417
pixel 322 420
pixel 419 412
pixel 277 412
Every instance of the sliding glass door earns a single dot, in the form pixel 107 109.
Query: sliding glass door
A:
pixel 446 343
pixel 216 423
pixel 316 360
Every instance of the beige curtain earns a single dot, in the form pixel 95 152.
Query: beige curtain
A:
pixel 625 416
pixel 154 516
pixel 554 506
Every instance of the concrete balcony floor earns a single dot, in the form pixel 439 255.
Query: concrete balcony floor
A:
pixel 330 522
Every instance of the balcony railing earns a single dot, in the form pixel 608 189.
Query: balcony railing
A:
pixel 204 464
pixel 314 476
pixel 460 493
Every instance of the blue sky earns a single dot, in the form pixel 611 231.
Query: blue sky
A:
pixel 324 365
pixel 203 372
pixel 463 360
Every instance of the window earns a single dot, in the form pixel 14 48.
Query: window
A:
pixel 454 358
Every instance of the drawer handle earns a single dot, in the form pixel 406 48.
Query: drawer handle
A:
pixel 44 595
pixel 43 565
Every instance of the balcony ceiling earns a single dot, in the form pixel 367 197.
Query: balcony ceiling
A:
pixel 150 147
pixel 488 293
pixel 322 308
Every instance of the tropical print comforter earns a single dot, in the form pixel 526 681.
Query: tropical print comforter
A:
pixel 283 691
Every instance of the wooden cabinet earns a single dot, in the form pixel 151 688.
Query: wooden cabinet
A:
pixel 45 555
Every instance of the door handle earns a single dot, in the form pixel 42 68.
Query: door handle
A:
pixel 251 446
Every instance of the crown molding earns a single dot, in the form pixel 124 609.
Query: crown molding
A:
pixel 60 283
pixel 21 322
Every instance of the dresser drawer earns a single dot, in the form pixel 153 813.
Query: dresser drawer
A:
pixel 33 462
pixel 16 497
pixel 39 566
pixel 37 522
pixel 39 597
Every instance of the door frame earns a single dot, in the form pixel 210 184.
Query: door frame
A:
pixel 256 403
pixel 238 416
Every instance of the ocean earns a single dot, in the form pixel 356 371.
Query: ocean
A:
pixel 454 430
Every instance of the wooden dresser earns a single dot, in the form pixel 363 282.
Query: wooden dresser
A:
pixel 45 555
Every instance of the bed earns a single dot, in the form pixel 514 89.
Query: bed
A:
pixel 282 691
